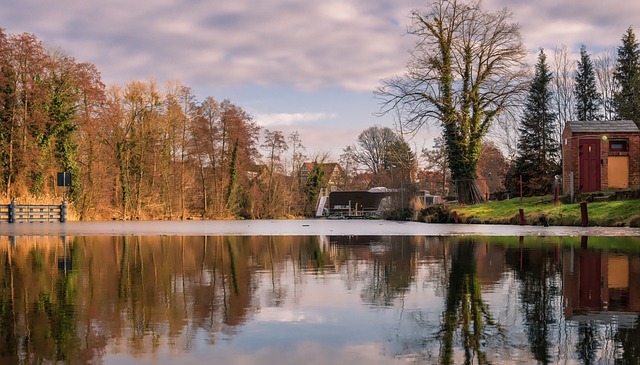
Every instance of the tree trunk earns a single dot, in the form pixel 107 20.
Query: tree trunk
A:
pixel 469 192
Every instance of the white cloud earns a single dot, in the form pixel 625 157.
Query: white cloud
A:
pixel 286 119
pixel 599 25
pixel 307 45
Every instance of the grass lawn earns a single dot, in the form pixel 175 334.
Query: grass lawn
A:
pixel 540 210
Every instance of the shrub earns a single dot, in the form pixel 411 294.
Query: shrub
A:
pixel 634 221
pixel 438 213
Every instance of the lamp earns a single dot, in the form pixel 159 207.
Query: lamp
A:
pixel 601 136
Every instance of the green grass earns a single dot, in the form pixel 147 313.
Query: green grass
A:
pixel 538 210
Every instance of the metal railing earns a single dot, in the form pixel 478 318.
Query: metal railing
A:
pixel 14 213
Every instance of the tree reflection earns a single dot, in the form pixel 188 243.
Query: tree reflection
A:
pixel 392 269
pixel 538 272
pixel 43 321
pixel 466 316
pixel 588 343
pixel 145 295
pixel 9 343
pixel 629 339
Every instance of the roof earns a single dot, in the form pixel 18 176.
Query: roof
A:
pixel 328 168
pixel 603 126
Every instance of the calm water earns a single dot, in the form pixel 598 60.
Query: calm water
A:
pixel 319 300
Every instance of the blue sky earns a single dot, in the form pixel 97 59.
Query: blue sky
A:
pixel 302 65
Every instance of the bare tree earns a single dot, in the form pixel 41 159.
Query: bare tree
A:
pixel 275 144
pixel 373 146
pixel 348 161
pixel 505 131
pixel 563 70
pixel 605 65
pixel 437 165
pixel 466 67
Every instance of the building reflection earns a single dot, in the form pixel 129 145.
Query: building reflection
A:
pixel 600 281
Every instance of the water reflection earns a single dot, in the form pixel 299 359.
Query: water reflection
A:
pixel 284 300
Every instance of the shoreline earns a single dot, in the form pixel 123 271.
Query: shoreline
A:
pixel 300 227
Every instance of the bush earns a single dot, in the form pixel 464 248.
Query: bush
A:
pixel 439 213
pixel 405 214
pixel 634 222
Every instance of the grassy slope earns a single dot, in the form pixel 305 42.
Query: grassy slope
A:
pixel 538 209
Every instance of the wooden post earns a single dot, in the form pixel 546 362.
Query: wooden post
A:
pixel 63 212
pixel 556 196
pixel 584 214
pixel 521 213
pixel 455 216
pixel 520 187
pixel 12 212
pixel 521 240
pixel 571 192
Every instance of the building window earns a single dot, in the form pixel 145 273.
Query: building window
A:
pixel 619 145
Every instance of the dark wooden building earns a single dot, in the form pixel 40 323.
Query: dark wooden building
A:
pixel 359 203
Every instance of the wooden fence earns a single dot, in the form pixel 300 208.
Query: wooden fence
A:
pixel 14 213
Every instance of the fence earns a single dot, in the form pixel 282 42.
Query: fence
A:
pixel 13 213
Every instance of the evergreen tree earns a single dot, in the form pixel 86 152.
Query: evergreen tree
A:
pixel 313 186
pixel 588 99
pixel 626 99
pixel 537 159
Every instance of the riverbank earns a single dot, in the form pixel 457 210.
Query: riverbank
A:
pixel 542 211
pixel 301 227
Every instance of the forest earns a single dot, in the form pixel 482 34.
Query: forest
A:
pixel 145 151
pixel 138 151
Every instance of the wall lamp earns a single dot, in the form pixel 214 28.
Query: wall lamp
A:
pixel 601 136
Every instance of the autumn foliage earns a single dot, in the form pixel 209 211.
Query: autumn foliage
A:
pixel 138 151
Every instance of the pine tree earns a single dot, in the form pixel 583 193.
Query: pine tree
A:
pixel 588 99
pixel 537 159
pixel 627 77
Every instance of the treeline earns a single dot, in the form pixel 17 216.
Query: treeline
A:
pixel 144 151
pixel 607 89
pixel 137 151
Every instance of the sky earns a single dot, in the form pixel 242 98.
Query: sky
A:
pixel 294 65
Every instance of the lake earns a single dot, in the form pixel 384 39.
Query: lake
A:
pixel 318 299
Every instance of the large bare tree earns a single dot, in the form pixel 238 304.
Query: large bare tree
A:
pixel 563 69
pixel 466 66
pixel 373 148
pixel 605 66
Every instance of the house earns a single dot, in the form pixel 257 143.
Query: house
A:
pixel 600 155
pixel 334 176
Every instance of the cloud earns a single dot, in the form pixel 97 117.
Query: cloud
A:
pixel 307 45
pixel 599 25
pixel 286 119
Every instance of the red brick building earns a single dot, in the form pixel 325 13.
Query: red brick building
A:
pixel 602 155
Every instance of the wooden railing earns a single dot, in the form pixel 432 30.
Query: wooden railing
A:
pixel 14 213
